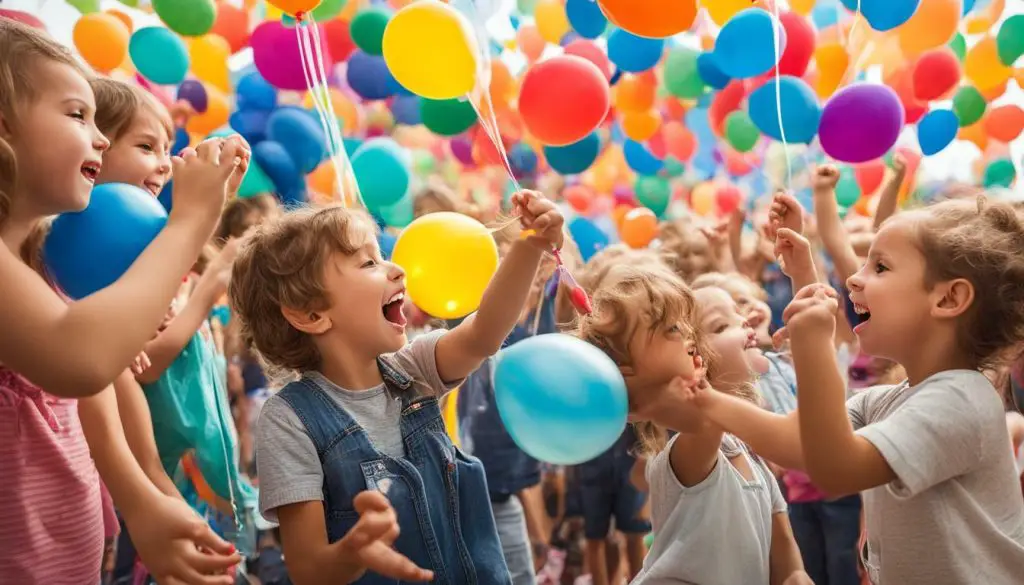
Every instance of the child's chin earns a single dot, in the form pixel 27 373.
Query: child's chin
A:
pixel 758 363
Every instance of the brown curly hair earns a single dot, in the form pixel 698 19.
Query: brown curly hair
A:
pixel 282 265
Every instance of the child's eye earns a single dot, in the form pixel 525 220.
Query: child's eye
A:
pixel 880 268
pixel 146 147
pixel 369 263
pixel 78 115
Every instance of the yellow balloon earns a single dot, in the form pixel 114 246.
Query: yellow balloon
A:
pixel 702 198
pixel 983 66
pixel 722 10
pixel 802 7
pixel 209 55
pixel 449 259
pixel 551 20
pixel 431 50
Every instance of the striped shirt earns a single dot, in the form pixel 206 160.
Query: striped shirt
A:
pixel 51 517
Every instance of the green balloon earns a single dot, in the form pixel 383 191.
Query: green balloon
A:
pixel 649 540
pixel 328 9
pixel 255 182
pixel 654 193
pixel 447 117
pixel 1010 40
pixel 740 131
pixel 190 18
pixel 959 46
pixel 86 6
pixel 673 168
pixel 526 7
pixel 681 77
pixel 968 105
pixel 398 214
pixel 999 173
pixel 423 163
pixel 367 29
pixel 847 189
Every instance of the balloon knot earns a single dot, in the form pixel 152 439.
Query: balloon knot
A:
pixel 300 16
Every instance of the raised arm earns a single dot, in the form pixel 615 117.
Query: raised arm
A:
pixel 890 195
pixel 830 226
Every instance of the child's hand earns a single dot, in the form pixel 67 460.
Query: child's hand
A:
pixel 899 165
pixel 201 176
pixel 367 547
pixel 140 364
pixel 540 216
pixel 825 179
pixel 220 267
pixel 717 234
pixel 245 155
pixel 785 213
pixel 793 253
pixel 169 536
pixel 812 311
pixel 798 578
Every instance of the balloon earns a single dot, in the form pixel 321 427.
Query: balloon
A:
pixel 101 40
pixel 999 173
pixel 636 93
pixel 255 182
pixel 431 49
pixel 869 176
pixel 574 158
pixel 406 109
pixel 745 46
pixel 217 114
pixel 740 131
pixel 300 134
pixel 232 24
pixel 589 51
pixel 721 11
pixel 159 55
pixel 885 15
pixel 275 53
pixel 936 130
pixel 639 227
pixel 1005 123
pixel 449 259
pixel 983 66
pixel 329 9
pixel 447 117
pixel 707 69
pixel 968 105
pixel 847 189
pixel 640 159
pixel 902 82
pixel 654 193
pixel 210 55
pixel 932 25
pixel 23 17
pixel 588 237
pixel 727 199
pixel 586 18
pixel 641 125
pixel 1010 39
pixel 279 167
pixel 833 61
pixel 578 197
pixel 936 73
pixel 679 141
pixel 563 99
pixel 562 400
pixel 369 77
pixel 382 170
pixel 293 7
pixel 844 135
pixel 656 19
pixel 552 23
pixel 682 72
pixel 632 53
pixel 88 250
pixel 801 114
pixel 254 93
pixel 702 198
pixel 530 42
pixel 189 18
pixel 367 28
pixel 799 44
pixel 338 39
pixel 959 46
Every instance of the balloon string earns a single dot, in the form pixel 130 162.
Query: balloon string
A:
pixel 776 41
pixel 309 74
pixel 853 27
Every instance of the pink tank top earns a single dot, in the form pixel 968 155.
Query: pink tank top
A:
pixel 51 516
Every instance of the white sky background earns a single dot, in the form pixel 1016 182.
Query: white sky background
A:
pixel 955 162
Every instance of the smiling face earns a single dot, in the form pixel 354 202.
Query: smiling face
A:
pixel 141 155
pixel 736 356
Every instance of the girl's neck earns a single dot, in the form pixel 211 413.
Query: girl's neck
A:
pixel 15 230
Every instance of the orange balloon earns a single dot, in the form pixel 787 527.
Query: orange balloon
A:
pixel 833 61
pixel 933 24
pixel 656 19
pixel 619 214
pixel 343 108
pixel 639 227
pixel 679 141
pixel 102 40
pixel 635 93
pixel 994 92
pixel 503 85
pixel 702 198
pixel 980 23
pixel 530 42
pixel 218 110
pixel 975 133
pixel 322 179
pixel 579 197
pixel 983 66
pixel 640 126
pixel 127 20
pixel 1004 123
pixel 675 108
pixel 233 25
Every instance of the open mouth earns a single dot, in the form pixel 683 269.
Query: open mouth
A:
pixel 154 187
pixel 863 315
pixel 751 342
pixel 392 309
pixel 91 170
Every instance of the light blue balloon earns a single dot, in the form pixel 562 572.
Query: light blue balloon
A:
pixel 936 130
pixel 588 237
pixel 801 112
pixel 885 15
pixel 574 158
pixel 159 55
pixel 745 46
pixel 827 12
pixel 586 18
pixel 382 171
pixel 632 53
pixel 640 159
pixel 562 400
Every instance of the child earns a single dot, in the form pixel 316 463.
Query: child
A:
pixel 315 298
pixel 50 153
pixel 708 493
pixel 942 294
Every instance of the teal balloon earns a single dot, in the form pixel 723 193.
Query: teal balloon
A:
pixel 367 29
pixel 740 131
pixel 328 9
pixel 681 76
pixel 562 400
pixel 653 193
pixel 447 117
pixel 159 55
pixel 999 173
pixel 381 167
pixel 255 182
pixel 847 189
pixel 1010 39
pixel 190 18
pixel 400 214
pixel 673 168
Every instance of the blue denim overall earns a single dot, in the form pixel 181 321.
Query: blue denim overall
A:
pixel 439 493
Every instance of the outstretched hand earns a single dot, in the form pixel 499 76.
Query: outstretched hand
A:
pixel 367 547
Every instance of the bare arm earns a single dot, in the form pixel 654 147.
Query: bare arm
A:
pixel 784 557
pixel 138 431
pixel 890 195
pixel 830 226
pixel 774 437
pixel 694 454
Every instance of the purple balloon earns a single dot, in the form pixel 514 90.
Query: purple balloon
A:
pixel 369 76
pixel 462 149
pixel 861 122
pixel 406 109
pixel 275 52
pixel 194 93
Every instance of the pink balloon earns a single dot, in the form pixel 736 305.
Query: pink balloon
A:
pixel 275 52
pixel 462 150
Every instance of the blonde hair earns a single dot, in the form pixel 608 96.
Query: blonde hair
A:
pixel 282 265
pixel 600 264
pixel 679 239
pixel 733 283
pixel 726 283
pixel 118 103
pixel 235 218
pixel 442 196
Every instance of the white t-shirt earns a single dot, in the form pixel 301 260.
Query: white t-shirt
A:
pixel 955 514
pixel 718 532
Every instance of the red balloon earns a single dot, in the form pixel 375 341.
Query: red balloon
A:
pixel 799 44
pixel 725 102
pixel 936 73
pixel 578 197
pixel 902 82
pixel 728 199
pixel 339 39
pixel 591 52
pixel 869 175
pixel 563 99
pixel 22 17
pixel 233 25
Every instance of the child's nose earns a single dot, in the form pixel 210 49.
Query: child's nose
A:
pixel 395 272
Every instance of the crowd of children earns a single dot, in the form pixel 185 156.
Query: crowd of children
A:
pixel 849 426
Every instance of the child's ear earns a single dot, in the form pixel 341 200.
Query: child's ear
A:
pixel 311 322
pixel 952 298
pixel 5 129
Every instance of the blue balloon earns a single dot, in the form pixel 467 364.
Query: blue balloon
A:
pixel 885 15
pixel 590 238
pixel 88 250
pixel 745 46
pixel 369 77
pixel 640 159
pixel 386 242
pixel 574 158
pixel 826 13
pixel 277 164
pixel 406 110
pixel 586 18
pixel 709 71
pixel 562 400
pixel 616 76
pixel 632 53
pixel 159 55
pixel 254 93
pixel 936 130
pixel 251 124
pixel 801 113
pixel 381 167
pixel 181 140
pixel 522 159
pixel 300 134
pixel 165 196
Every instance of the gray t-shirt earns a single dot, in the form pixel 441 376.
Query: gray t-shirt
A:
pixel 718 532
pixel 289 467
pixel 954 515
